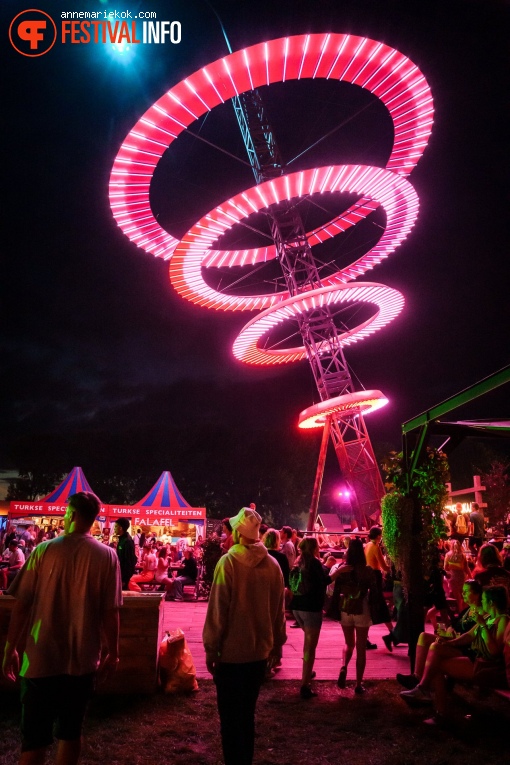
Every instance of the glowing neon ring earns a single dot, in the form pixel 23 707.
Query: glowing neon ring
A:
pixel 393 193
pixel 364 401
pixel 385 72
pixel 389 303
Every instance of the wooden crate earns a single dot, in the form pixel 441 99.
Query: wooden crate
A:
pixel 141 632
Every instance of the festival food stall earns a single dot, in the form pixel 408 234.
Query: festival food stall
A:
pixel 50 510
pixel 163 512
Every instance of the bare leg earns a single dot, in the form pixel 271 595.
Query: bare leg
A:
pixel 68 752
pixel 311 640
pixel 424 642
pixel 459 668
pixel 438 653
pixel 361 653
pixel 350 643
pixel 33 757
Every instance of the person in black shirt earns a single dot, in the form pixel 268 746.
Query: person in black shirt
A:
pixel 309 579
pixel 125 551
pixel 188 576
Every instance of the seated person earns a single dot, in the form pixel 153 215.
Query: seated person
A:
pixel 188 576
pixel 489 569
pixel 14 558
pixel 148 572
pixel 456 658
pixel 472 594
pixel 161 575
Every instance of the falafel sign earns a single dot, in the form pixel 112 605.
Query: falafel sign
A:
pixel 155 516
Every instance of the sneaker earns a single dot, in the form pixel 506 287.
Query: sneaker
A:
pixel 179 600
pixel 388 642
pixel 295 626
pixel 342 677
pixel 306 692
pixel 371 646
pixel 408 681
pixel 359 689
pixel 417 695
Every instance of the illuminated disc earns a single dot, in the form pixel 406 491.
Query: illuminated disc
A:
pixel 389 303
pixel 364 401
pixel 383 71
pixel 394 193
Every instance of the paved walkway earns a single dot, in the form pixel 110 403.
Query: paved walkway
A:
pixel 381 664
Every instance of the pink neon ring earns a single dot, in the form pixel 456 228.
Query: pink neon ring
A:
pixel 364 401
pixel 389 303
pixel 394 193
pixel 385 72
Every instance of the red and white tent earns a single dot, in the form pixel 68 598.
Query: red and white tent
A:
pixel 55 503
pixel 163 505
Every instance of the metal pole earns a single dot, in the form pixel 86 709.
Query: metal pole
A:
pixel 319 475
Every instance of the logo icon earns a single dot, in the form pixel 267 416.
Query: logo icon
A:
pixel 32 33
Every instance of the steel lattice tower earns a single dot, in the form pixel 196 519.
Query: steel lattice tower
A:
pixel 308 300
pixel 317 327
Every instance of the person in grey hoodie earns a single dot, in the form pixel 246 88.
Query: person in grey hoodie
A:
pixel 244 628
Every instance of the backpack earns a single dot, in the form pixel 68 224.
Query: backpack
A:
pixel 298 581
pixel 352 594
pixel 461 525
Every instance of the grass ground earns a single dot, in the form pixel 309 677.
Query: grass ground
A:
pixel 377 728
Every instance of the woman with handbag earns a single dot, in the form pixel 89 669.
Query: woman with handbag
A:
pixel 352 586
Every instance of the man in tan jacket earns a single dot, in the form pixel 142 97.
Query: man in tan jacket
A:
pixel 244 627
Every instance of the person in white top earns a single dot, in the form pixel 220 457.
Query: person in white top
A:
pixel 287 545
pixel 14 558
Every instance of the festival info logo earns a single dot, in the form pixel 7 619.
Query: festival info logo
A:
pixel 32 33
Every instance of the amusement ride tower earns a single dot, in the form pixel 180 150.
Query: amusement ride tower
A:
pixel 311 299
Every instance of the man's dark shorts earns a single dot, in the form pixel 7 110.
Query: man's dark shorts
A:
pixel 47 701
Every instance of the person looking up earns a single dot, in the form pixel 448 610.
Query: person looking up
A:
pixel 244 629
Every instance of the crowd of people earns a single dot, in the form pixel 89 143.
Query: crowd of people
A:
pixel 265 581
pixel 144 558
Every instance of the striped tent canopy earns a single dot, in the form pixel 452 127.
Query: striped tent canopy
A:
pixel 164 495
pixel 55 503
pixel 73 482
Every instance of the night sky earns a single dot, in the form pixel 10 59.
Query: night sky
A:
pixel 96 346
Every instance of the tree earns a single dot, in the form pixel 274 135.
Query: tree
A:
pixel 496 479
pixel 31 485
pixel 428 488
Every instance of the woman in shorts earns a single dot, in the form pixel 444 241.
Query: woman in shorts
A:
pixel 355 580
pixel 309 579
